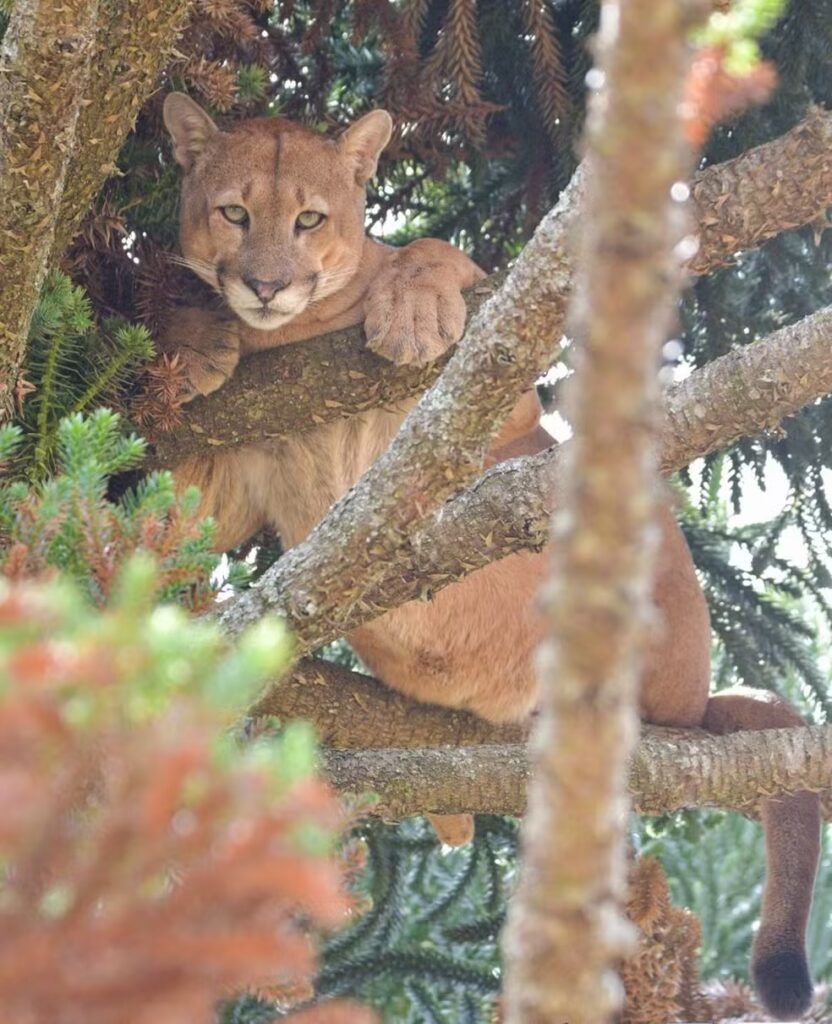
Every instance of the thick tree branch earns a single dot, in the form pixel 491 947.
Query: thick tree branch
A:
pixel 670 770
pixel 738 204
pixel 782 184
pixel 352 710
pixel 356 715
pixel 288 390
pixel 748 390
pixel 744 392
pixel 44 74
pixel 73 76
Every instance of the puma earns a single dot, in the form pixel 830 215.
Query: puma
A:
pixel 272 217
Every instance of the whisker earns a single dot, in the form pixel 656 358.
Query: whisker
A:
pixel 330 275
pixel 328 282
pixel 191 263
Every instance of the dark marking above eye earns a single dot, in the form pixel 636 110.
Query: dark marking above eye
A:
pixel 300 195
pixel 277 147
pixel 246 190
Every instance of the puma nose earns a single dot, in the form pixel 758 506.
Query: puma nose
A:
pixel 266 290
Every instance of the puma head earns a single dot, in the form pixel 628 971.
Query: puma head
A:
pixel 272 213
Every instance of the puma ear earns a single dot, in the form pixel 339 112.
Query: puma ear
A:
pixel 189 126
pixel 363 142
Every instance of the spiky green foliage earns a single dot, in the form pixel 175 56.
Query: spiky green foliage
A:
pixel 65 522
pixel 410 954
pixel 73 366
pixel 426 949
pixel 163 653
pixel 141 828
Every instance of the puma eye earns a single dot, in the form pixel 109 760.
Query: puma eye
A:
pixel 235 214
pixel 309 219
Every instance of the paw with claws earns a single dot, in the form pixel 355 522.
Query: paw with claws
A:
pixel 207 347
pixel 414 311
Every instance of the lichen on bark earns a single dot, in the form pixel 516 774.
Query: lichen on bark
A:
pixel 670 770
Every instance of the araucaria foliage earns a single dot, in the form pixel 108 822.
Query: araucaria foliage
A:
pixel 66 523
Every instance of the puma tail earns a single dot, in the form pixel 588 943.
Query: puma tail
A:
pixel 792 835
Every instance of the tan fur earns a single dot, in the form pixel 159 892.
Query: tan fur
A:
pixel 473 645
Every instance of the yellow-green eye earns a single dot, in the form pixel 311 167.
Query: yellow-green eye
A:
pixel 235 214
pixel 309 219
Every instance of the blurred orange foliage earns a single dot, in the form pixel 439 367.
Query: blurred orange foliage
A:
pixel 147 871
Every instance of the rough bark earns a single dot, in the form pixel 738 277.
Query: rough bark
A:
pixel 749 390
pixel 744 392
pixel 288 390
pixel 566 929
pixel 739 204
pixel 134 42
pixel 73 77
pixel 670 770
pixel 782 184
pixel 352 710
pixel 44 73
pixel 440 447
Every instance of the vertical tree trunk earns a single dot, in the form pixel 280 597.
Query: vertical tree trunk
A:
pixel 44 70
pixel 134 43
pixel 565 930
pixel 73 76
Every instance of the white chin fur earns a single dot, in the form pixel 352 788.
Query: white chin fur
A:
pixel 264 319
pixel 285 306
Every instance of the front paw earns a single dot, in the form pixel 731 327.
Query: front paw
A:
pixel 207 349
pixel 413 318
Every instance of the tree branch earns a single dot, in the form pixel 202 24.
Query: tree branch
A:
pixel 287 390
pixel 353 710
pixel 566 931
pixel 44 73
pixel 749 390
pixel 73 77
pixel 739 204
pixel 744 392
pixel 782 184
pixel 670 770
pixel 355 716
